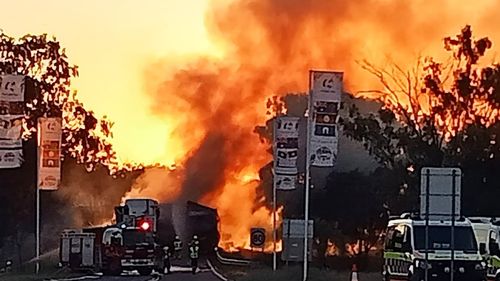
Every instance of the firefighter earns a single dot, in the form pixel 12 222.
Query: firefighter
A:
pixel 166 259
pixel 8 266
pixel 194 250
pixel 195 239
pixel 177 247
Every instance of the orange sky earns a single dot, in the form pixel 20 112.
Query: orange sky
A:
pixel 116 42
pixel 113 42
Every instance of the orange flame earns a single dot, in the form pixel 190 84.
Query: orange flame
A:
pixel 211 105
pixel 331 249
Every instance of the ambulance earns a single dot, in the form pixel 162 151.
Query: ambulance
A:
pixel 487 231
pixel 407 258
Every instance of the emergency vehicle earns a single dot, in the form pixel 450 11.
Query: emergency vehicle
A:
pixel 487 231
pixel 438 243
pixel 405 252
pixel 129 244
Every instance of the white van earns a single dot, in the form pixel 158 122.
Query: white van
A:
pixel 405 251
pixel 487 231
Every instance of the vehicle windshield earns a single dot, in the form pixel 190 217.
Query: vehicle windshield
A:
pixel 137 207
pixel 440 238
pixel 133 237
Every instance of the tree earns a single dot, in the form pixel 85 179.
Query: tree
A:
pixel 48 93
pixel 437 114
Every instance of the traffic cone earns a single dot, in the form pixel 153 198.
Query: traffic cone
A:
pixel 354 273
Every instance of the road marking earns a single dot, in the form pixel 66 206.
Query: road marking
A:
pixel 77 278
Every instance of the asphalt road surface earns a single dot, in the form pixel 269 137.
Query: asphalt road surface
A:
pixel 203 276
pixel 179 274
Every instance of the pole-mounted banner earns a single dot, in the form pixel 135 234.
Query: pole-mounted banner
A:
pixel 11 120
pixel 49 153
pixel 326 90
pixel 286 146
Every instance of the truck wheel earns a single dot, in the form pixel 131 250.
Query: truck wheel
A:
pixel 114 268
pixel 145 271
pixel 414 278
pixel 111 271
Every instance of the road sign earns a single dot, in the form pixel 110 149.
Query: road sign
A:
pixel 257 237
pixel 293 240
pixel 437 189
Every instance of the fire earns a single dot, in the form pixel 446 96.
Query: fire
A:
pixel 331 249
pixel 352 249
pixel 211 105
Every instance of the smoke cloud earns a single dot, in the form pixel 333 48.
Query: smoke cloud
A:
pixel 269 46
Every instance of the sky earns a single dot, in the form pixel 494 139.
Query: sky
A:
pixel 113 42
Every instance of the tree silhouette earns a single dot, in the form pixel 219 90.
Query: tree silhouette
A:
pixel 85 137
pixel 436 114
pixel 48 93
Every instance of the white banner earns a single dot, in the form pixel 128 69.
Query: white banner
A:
pixel 11 153
pixel 11 126
pixel 12 88
pixel 327 85
pixel 11 120
pixel 287 127
pixel 285 182
pixel 49 153
pixel 287 158
pixel 324 104
pixel 323 153
pixel 286 146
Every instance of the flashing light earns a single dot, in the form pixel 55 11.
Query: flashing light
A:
pixel 145 226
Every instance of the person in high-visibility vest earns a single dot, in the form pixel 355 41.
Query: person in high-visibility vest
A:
pixel 8 266
pixel 194 250
pixel 177 247
pixel 195 239
pixel 166 259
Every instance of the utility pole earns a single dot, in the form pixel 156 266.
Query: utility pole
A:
pixel 307 185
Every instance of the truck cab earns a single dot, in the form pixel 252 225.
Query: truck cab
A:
pixel 487 232
pixel 141 252
pixel 406 256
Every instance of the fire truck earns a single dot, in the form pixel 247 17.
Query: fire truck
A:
pixel 129 244
pixel 138 221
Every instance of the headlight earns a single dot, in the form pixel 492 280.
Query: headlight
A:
pixel 422 264
pixel 480 266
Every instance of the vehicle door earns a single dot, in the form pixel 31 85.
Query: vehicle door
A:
pixel 494 251
pixel 397 251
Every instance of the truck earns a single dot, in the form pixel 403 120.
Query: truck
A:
pixel 136 238
pixel 437 242
pixel 129 244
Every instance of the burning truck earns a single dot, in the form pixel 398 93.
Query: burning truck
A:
pixel 136 240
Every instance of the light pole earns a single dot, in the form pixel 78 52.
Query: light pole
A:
pixel 307 185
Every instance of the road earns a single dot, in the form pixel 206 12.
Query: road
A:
pixel 203 276
pixel 179 274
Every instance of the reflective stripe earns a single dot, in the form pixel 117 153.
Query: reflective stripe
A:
pixel 177 245
pixel 193 252
pixel 397 263
pixel 494 265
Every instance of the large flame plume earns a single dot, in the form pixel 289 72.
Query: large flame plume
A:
pixel 212 105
